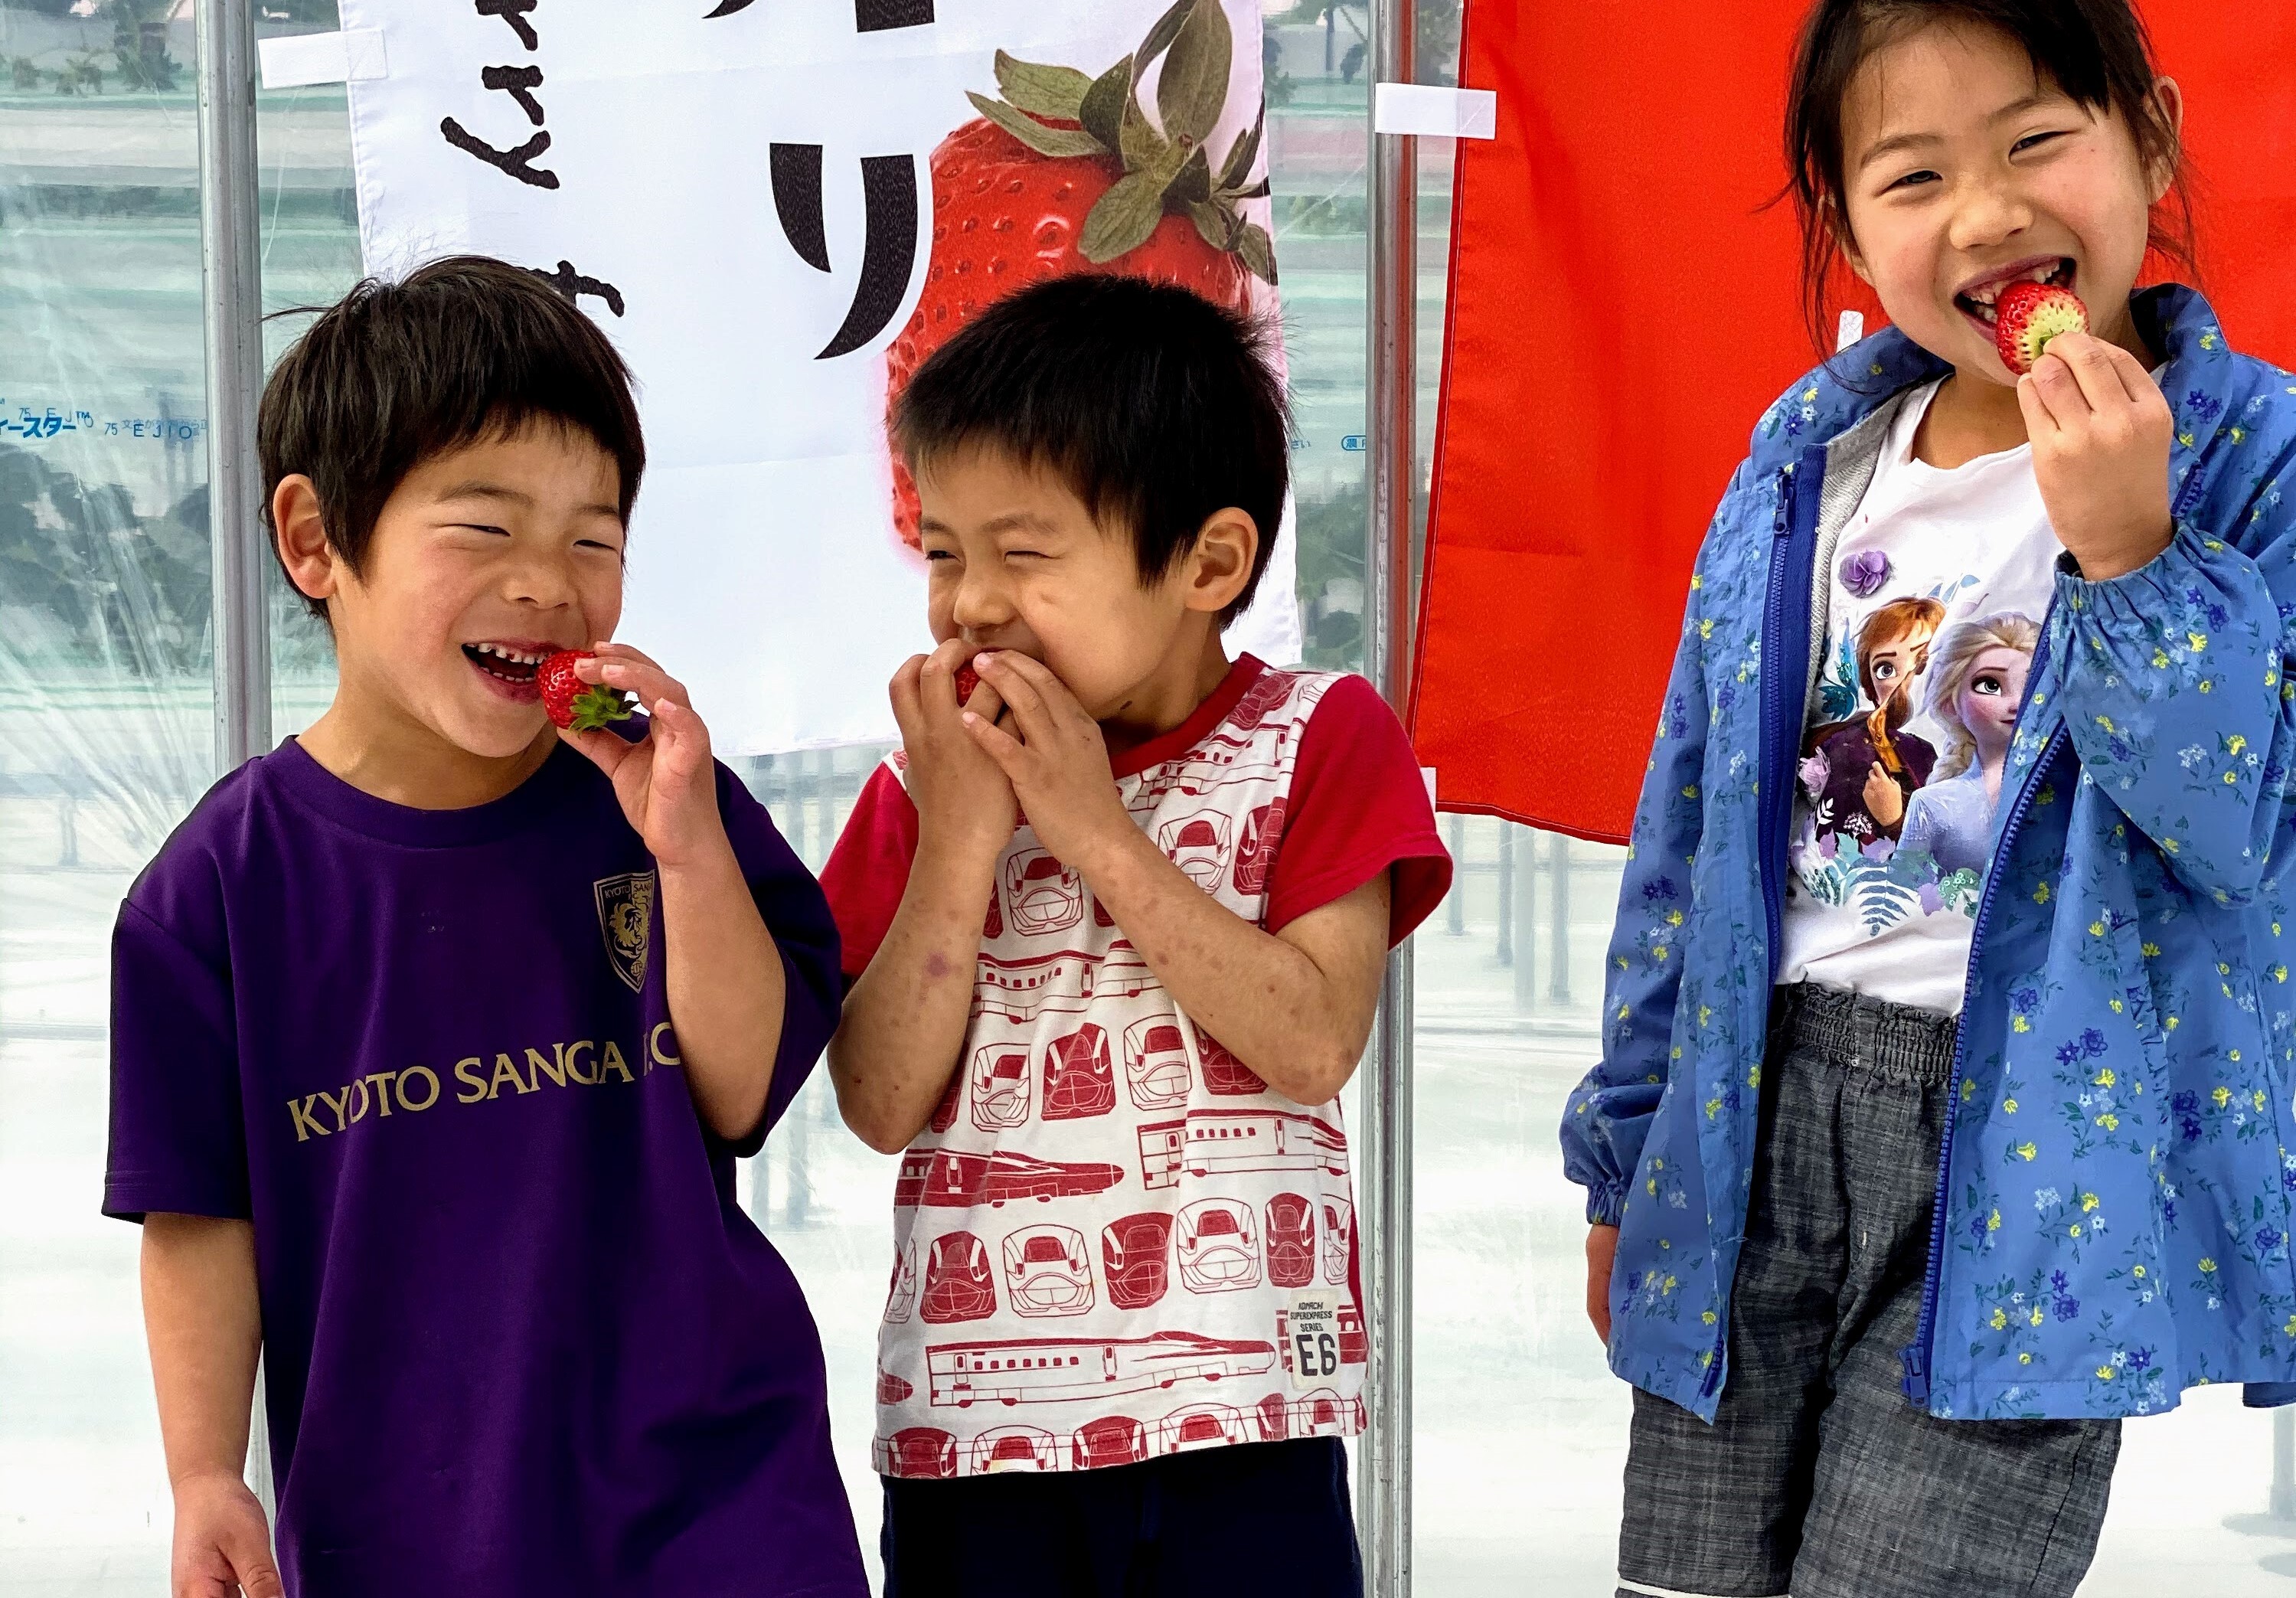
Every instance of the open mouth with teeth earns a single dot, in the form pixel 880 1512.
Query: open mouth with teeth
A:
pixel 509 670
pixel 1978 302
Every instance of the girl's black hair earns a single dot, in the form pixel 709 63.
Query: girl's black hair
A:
pixel 2097 51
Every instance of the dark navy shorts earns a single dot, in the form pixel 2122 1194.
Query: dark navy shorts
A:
pixel 1249 1520
pixel 1817 1477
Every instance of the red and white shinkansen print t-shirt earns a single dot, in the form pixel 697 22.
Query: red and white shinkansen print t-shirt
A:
pixel 1114 1242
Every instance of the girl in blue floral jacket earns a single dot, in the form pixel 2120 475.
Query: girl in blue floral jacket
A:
pixel 1944 1114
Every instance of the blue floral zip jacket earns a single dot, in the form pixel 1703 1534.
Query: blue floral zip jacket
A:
pixel 2117 1182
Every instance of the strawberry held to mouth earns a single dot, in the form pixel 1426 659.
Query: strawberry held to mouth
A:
pixel 1067 173
pixel 572 703
pixel 2029 316
pixel 967 680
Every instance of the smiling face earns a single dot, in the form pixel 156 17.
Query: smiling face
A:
pixel 1964 171
pixel 1988 700
pixel 484 559
pixel 1015 560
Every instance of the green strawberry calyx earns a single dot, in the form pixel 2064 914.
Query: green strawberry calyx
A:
pixel 1167 168
pixel 594 706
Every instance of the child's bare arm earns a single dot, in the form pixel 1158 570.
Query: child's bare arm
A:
pixel 201 1319
pixel 723 972
pixel 1295 1006
pixel 905 1020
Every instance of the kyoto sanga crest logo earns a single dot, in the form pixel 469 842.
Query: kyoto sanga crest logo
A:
pixel 626 917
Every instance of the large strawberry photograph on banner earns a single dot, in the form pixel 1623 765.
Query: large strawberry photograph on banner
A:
pixel 778 212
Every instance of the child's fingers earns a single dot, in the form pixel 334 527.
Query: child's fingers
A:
pixel 2040 421
pixel 648 681
pixel 1001 746
pixel 1019 682
pixel 607 651
pixel 906 693
pixel 602 749
pixel 2088 360
pixel 681 740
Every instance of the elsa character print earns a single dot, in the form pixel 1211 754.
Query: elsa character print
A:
pixel 1861 772
pixel 1976 684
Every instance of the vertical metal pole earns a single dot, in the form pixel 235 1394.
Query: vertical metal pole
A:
pixel 1383 1489
pixel 1559 930
pixel 2283 1463
pixel 230 284
pixel 1506 950
pixel 1456 921
pixel 231 275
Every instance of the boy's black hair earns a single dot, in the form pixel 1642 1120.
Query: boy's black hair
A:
pixel 1156 407
pixel 2097 51
pixel 461 349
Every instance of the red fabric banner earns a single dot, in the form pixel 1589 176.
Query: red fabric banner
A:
pixel 1623 307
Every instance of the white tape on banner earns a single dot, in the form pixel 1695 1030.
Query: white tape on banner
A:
pixel 298 60
pixel 1435 111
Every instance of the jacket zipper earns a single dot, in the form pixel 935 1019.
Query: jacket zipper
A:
pixel 1917 1357
pixel 1798 491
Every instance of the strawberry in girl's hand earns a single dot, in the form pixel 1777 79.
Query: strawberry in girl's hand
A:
pixel 2027 316
pixel 967 680
pixel 572 703
pixel 1067 174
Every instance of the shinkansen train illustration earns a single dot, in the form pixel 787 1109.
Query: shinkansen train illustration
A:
pixel 1216 1245
pixel 1209 1141
pixel 1059 1369
pixel 1079 1079
pixel 1044 895
pixel 915 1451
pixel 1201 1426
pixel 1224 1074
pixel 1061 983
pixel 1000 1085
pixel 1048 1270
pixel 945 1177
pixel 1156 1062
pixel 1012 1449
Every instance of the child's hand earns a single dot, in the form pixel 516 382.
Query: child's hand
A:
pixel 961 797
pixel 667 781
pixel 1601 1254
pixel 1058 765
pixel 2100 430
pixel 222 1546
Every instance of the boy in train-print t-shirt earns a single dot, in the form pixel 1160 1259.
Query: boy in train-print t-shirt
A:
pixel 1113 1242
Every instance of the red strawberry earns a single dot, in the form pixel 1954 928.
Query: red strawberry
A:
pixel 2027 316
pixel 967 680
pixel 570 701
pixel 1067 174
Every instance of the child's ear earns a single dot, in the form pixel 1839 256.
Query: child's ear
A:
pixel 301 537
pixel 2169 105
pixel 1219 566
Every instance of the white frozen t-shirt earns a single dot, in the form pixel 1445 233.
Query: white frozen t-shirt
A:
pixel 1934 601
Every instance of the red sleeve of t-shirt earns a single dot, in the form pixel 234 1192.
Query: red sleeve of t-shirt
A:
pixel 868 871
pixel 1357 806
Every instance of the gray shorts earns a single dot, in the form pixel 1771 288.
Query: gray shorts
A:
pixel 1817 1477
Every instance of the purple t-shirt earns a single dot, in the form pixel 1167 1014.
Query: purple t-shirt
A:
pixel 519 1336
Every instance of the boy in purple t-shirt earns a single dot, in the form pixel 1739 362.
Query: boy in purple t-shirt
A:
pixel 434 1041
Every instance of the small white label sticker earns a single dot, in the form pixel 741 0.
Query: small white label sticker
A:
pixel 1312 1329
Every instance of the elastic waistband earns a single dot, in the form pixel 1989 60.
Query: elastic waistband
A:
pixel 1898 1042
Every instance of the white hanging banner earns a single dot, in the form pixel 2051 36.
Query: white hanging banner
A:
pixel 755 201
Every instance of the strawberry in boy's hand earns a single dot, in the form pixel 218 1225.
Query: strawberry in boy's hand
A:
pixel 572 703
pixel 2027 316
pixel 967 680
pixel 1067 173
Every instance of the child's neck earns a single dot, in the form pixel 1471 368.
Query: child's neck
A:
pixel 374 744
pixel 1168 695
pixel 1973 416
